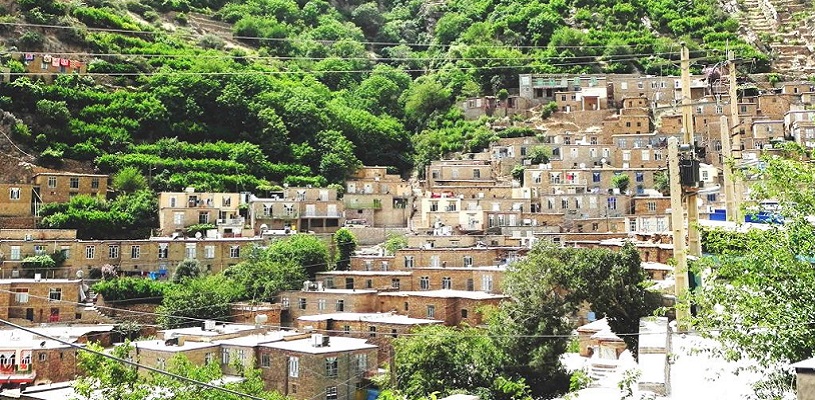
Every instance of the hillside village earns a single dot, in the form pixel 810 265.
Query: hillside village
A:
pixel 464 220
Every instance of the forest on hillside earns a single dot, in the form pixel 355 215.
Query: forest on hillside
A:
pixel 305 91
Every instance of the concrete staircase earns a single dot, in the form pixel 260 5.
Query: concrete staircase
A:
pixel 783 28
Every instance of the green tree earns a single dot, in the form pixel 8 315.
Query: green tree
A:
pixel 394 243
pixel 540 155
pixel 307 251
pixel 424 98
pixel 129 180
pixel 662 183
pixel 261 278
pixel 187 269
pixel 38 264
pixel 748 275
pixel 621 181
pixel 345 242
pixel 207 297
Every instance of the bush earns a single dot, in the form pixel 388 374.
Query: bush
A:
pixel 31 40
pixel 202 228
pixel 41 263
pixel 210 41
pixel 187 269
pixel 132 289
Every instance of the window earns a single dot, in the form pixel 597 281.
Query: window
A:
pixel 435 262
pixel 361 362
pixel 711 197
pixel 384 266
pixel 321 304
pixel 646 155
pixel 395 283
pixel 463 313
pixel 225 356
pixel 234 251
pixel 265 360
pixel 652 206
pixel 90 252
pixel 160 364
pixel 612 203
pixel 595 177
pixel 468 261
pixel 209 251
pixel 178 218
pixel 486 283
pixel 226 201
pixel 476 174
pixel 284 302
pixel 135 251
pixel 39 249
pixel 52 182
pixel 203 217
pixel 446 283
pixel 657 155
pixel 74 183
pixel 43 357
pixel 331 367
pixel 293 388
pixel 15 253
pixel 113 251
pixel 331 393
pixel 21 295
pixel 14 193
pixel 639 177
pixel 94 183
pixel 55 294
pixel 163 250
pixel 340 305
pixel 302 303
pixel 632 225
pixel 190 252
pixel 424 283
pixel 294 367
pixel 173 201
pixel 431 311
pixel 346 329
pixel 209 357
pixel 372 331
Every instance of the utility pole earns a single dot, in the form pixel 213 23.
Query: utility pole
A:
pixel 727 172
pixel 678 228
pixel 735 129
pixel 694 242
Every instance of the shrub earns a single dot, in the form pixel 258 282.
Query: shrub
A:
pixel 30 39
pixel 210 41
pixel 132 289
pixel 202 228
pixel 42 263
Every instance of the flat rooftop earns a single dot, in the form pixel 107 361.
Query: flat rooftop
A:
pixel 336 344
pixel 158 345
pixel 385 318
pixel 464 294
pixel 364 273
pixel 219 330
pixel 338 291
pixel 255 340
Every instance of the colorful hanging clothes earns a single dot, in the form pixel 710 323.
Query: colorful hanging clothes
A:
pixel 55 62
pixel 76 64
pixel 64 62
pixel 29 57
pixel 46 58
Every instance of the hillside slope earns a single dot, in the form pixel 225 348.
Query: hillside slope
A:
pixel 246 94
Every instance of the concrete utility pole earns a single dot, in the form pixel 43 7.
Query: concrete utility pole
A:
pixel 678 228
pixel 735 134
pixel 727 172
pixel 694 242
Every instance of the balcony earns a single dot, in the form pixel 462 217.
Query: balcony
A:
pixel 322 214
pixel 279 215
pixel 232 221
pixel 355 205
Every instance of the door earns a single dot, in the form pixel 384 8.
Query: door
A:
pixel 29 314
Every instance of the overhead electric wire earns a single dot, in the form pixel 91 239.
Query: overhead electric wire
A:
pixel 132 363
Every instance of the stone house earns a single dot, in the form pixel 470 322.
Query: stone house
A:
pixel 454 307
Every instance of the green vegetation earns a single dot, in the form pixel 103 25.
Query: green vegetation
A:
pixel 127 216
pixel 105 378
pixel 132 289
pixel 517 355
pixel 39 264
pixel 345 243
pixel 749 274
pixel 321 84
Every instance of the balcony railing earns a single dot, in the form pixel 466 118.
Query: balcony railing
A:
pixel 322 214
pixel 354 205
pixel 231 221
pixel 279 215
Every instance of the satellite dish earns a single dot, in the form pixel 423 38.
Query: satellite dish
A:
pixel 582 165
pixel 80 274
pixel 198 235
pixel 261 319
pixel 603 161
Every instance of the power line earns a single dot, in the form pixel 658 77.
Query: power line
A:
pixel 327 41
pixel 131 363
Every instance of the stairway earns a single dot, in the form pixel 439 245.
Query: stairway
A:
pixel 785 29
